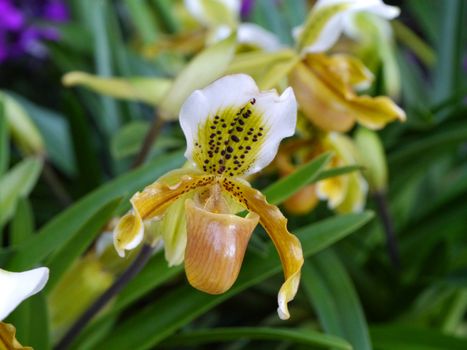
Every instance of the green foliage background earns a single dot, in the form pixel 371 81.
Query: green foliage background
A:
pixel 350 295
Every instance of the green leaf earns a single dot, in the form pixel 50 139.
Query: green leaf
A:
pixel 61 260
pixel 16 183
pixel 64 226
pixel 334 298
pixel 55 132
pixel 97 12
pixel 31 322
pixel 325 174
pixel 146 328
pixel 22 225
pixel 129 140
pixel 4 141
pixel 406 337
pixel 306 337
pixel 23 131
pixel 433 143
pixel 203 69
pixel 447 79
pixel 148 90
pixel 142 19
pixel 287 186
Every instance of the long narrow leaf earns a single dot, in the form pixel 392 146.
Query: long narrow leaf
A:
pixel 306 337
pixel 62 228
pixel 150 326
pixel 334 298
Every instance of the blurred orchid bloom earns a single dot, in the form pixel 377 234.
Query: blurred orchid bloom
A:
pixel 325 88
pixel 376 47
pixel 345 193
pixel 329 18
pixel 232 130
pixel 18 286
pixel 223 17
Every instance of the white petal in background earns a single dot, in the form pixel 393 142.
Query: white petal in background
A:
pixel 18 286
pixel 332 30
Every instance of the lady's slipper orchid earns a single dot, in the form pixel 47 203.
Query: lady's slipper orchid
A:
pixel 325 90
pixel 17 286
pixel 329 18
pixel 232 130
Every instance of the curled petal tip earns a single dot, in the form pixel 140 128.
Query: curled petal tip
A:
pixel 128 234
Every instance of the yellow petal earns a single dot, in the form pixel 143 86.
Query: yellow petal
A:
pixel 155 198
pixel 128 233
pixel 8 338
pixel 303 201
pixel 351 70
pixel 152 202
pixel 323 87
pixel 215 247
pixel 275 224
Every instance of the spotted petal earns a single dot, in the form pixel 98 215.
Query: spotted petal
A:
pixel 233 129
pixel 275 224
pixel 17 286
pixel 327 20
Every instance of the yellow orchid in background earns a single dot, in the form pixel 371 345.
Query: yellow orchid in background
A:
pixel 232 130
pixel 325 86
pixel 346 193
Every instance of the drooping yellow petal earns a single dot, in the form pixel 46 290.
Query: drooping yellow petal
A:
pixel 152 202
pixel 128 233
pixel 323 86
pixel 215 247
pixel 155 198
pixel 275 224
pixel 8 339
pixel 351 70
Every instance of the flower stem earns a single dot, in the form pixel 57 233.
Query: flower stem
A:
pixel 391 240
pixel 140 261
pixel 149 139
pixel 52 179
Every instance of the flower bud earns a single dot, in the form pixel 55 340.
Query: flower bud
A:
pixel 372 157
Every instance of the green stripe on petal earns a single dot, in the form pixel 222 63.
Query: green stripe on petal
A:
pixel 329 18
pixel 322 28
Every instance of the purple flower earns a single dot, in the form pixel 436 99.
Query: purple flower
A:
pixel 246 8
pixel 25 25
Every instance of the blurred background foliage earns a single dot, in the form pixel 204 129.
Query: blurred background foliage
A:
pixel 59 193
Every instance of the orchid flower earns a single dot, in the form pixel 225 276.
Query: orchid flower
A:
pixel 329 18
pixel 345 193
pixel 326 90
pixel 232 130
pixel 223 16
